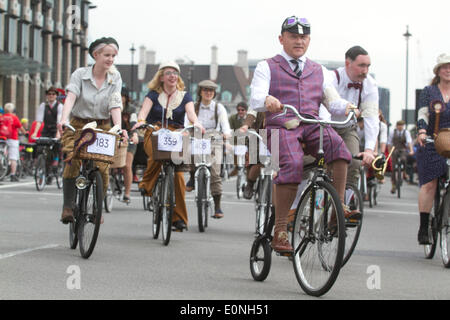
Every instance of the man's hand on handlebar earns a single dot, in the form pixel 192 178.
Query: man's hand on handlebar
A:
pixel 368 157
pixel 273 105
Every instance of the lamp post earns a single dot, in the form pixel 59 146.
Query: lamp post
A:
pixel 132 50
pixel 407 35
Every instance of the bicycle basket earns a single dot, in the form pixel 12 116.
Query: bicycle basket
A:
pixel 95 145
pixel 442 143
pixel 159 155
pixel 120 158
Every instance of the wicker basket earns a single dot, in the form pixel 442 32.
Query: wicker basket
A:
pixel 442 142
pixel 120 158
pixel 84 155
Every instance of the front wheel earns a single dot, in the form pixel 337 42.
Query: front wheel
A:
pixel 167 202
pixel 444 231
pixel 263 204
pixel 399 181
pixel 91 215
pixel 40 173
pixel 318 238
pixel 430 249
pixel 202 201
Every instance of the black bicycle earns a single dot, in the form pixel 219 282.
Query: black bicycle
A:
pixel 162 201
pixel 89 204
pixel 318 233
pixel 45 170
pixel 439 219
pixel 399 168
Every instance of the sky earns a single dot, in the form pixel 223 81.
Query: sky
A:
pixel 188 29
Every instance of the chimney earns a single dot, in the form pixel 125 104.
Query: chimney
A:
pixel 142 57
pixel 243 62
pixel 214 68
pixel 150 57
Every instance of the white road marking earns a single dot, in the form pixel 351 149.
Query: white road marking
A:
pixel 16 185
pixel 16 253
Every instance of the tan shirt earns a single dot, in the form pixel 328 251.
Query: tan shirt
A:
pixel 94 103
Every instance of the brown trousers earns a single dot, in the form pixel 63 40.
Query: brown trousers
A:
pixel 72 170
pixel 151 176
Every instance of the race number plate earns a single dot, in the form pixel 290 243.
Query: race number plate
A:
pixel 105 145
pixel 201 146
pixel 170 141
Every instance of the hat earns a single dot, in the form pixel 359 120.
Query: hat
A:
pixel 169 64
pixel 401 123
pixel 52 89
pixel 296 25
pixel 98 42
pixel 208 84
pixel 441 60
pixel 24 120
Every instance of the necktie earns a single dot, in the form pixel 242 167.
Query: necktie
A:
pixel 297 69
pixel 355 85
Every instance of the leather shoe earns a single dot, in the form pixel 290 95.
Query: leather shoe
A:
pixel 67 216
pixel 178 226
pixel 423 237
pixel 280 243
pixel 248 190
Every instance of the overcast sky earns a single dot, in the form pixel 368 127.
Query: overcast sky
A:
pixel 188 29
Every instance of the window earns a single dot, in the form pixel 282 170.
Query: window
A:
pixel 12 35
pixel 2 34
pixel 24 45
pixel 227 96
pixel 37 45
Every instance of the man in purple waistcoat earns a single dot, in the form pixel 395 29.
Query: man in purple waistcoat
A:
pixel 291 78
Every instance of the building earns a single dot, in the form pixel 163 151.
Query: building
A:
pixel 233 80
pixel 41 43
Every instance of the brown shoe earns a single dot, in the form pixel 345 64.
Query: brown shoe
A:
pixel 350 214
pixel 234 172
pixel 280 243
pixel 67 216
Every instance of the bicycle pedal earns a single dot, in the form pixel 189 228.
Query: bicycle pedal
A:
pixel 284 254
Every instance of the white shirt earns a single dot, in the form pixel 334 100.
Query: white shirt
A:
pixel 41 111
pixel 383 132
pixel 206 116
pixel 369 102
pixel 261 85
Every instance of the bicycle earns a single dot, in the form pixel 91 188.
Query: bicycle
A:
pixel 201 148
pixel 439 219
pixel 241 180
pixel 162 200
pixel 44 169
pixel 27 159
pixel 89 195
pixel 3 158
pixel 318 235
pixel 398 170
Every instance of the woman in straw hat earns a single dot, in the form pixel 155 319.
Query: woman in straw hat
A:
pixel 430 164
pixel 167 103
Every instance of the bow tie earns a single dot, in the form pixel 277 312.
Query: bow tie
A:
pixel 356 85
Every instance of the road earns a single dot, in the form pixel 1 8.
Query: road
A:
pixel 36 262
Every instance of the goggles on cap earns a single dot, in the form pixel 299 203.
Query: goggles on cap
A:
pixel 293 21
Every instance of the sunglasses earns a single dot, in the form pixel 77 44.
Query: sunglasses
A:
pixel 293 21
pixel 171 73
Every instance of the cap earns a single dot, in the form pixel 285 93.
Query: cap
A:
pixel 98 42
pixel 441 60
pixel 208 84
pixel 296 25
pixel 169 64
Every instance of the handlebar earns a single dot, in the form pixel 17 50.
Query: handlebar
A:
pixel 288 107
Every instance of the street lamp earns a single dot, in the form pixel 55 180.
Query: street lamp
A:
pixel 407 35
pixel 132 50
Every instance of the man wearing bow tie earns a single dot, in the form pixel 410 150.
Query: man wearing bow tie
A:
pixel 355 85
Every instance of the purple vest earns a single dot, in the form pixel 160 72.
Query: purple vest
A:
pixel 304 93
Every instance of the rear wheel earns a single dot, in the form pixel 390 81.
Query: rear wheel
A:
pixel 260 258
pixel 109 197
pixel 90 219
pixel 3 166
pixel 399 180
pixel 40 173
pixel 73 226
pixel 353 227
pixel 59 175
